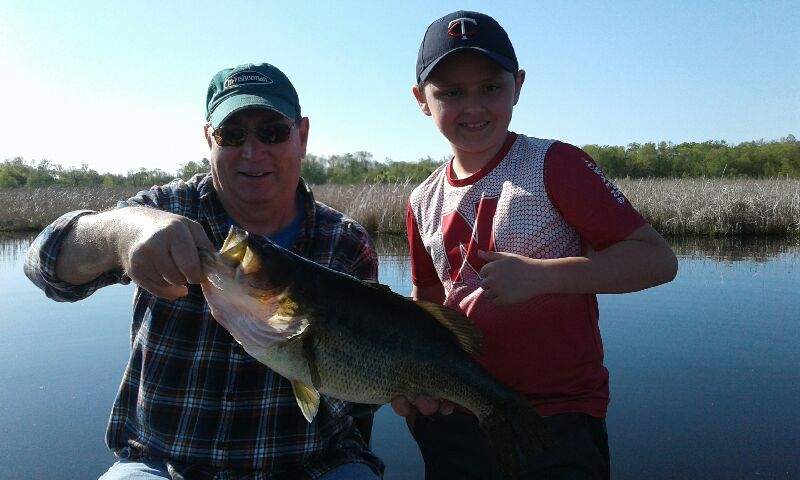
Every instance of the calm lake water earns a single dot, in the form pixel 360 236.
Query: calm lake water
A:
pixel 705 371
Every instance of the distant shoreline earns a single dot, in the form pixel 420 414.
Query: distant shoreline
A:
pixel 689 206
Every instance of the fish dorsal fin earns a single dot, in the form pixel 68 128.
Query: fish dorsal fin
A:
pixel 468 335
pixel 378 286
pixel 307 399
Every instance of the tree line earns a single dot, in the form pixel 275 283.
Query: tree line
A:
pixel 711 159
pixel 18 172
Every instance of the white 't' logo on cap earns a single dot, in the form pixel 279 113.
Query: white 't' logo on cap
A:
pixel 469 27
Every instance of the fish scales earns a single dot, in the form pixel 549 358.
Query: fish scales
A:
pixel 392 353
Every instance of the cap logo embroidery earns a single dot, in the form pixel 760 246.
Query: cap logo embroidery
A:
pixel 247 77
pixel 463 27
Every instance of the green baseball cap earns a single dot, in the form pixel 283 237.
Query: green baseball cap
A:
pixel 246 86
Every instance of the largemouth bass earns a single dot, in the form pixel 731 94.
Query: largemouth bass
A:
pixel 330 333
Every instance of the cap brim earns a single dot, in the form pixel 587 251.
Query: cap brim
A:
pixel 504 62
pixel 233 104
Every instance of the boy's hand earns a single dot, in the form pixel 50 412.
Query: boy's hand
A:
pixel 423 404
pixel 510 278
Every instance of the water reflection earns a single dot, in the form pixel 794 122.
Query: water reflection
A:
pixel 13 246
pixel 718 248
pixel 392 246
pixel 735 248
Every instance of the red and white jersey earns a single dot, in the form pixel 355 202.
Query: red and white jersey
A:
pixel 541 199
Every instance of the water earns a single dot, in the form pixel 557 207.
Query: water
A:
pixel 704 371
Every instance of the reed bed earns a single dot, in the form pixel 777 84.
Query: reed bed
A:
pixel 694 207
pixel 380 208
pixel 690 207
pixel 30 209
pixel 717 207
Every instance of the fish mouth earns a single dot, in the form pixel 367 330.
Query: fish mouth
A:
pixel 236 252
pixel 235 258
pixel 216 268
pixel 242 300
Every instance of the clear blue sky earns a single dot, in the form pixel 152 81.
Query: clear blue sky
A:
pixel 119 85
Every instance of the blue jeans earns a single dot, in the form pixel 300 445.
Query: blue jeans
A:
pixel 156 470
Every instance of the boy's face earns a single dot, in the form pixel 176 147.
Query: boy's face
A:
pixel 471 98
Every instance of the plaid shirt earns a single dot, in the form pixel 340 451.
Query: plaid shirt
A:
pixel 190 394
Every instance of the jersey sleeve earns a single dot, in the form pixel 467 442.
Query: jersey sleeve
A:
pixel 423 273
pixel 587 200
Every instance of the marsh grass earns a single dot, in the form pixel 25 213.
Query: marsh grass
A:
pixel 692 207
pixel 31 209
pixel 717 207
pixel 380 208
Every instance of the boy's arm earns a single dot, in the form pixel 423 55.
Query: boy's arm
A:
pixel 642 260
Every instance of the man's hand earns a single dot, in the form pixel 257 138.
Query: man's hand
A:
pixel 510 278
pixel 423 404
pixel 158 250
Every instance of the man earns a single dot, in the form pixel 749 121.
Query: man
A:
pixel 192 403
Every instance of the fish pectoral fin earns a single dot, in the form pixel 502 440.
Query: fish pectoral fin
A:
pixel 465 331
pixel 307 399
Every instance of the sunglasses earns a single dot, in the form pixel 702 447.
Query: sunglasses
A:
pixel 268 133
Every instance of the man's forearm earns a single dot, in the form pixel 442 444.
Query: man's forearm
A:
pixel 91 247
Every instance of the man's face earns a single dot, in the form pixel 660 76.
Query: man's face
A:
pixel 255 173
pixel 471 98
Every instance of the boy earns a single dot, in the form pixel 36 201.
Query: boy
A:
pixel 520 234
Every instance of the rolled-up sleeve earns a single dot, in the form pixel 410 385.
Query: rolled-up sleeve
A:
pixel 146 198
pixel 40 263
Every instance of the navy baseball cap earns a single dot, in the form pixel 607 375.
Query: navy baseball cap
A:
pixel 246 86
pixel 464 30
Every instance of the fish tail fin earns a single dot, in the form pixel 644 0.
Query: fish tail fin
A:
pixel 516 434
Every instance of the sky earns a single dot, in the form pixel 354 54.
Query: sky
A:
pixel 122 85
